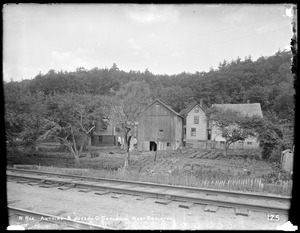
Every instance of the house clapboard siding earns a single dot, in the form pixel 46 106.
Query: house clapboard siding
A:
pixel 159 128
pixel 195 125
pixel 200 134
pixel 106 136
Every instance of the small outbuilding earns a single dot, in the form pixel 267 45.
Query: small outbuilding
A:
pixel 287 160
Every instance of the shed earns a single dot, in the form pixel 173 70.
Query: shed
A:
pixel 287 160
pixel 159 128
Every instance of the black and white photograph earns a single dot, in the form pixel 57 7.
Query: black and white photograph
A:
pixel 149 116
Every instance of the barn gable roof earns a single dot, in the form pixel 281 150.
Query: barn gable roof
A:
pixel 166 106
pixel 249 109
pixel 185 111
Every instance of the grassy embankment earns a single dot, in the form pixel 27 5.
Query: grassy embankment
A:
pixel 240 171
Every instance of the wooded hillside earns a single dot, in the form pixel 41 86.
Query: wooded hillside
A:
pixel 268 81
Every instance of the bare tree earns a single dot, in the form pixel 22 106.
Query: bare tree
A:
pixel 126 105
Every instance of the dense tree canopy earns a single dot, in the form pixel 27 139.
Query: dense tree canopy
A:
pixel 268 80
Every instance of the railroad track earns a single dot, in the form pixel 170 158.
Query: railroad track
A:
pixel 18 217
pixel 242 202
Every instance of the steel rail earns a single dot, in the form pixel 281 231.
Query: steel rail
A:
pixel 161 194
pixel 57 219
pixel 149 184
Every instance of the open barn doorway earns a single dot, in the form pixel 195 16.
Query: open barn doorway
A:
pixel 153 146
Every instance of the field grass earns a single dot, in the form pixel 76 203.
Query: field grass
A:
pixel 234 172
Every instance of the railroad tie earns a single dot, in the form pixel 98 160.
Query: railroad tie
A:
pixel 186 205
pixel 117 196
pixel 64 188
pixel 22 181
pixel 141 198
pixel 49 185
pixel 85 190
pixel 163 202
pixel 67 187
pixel 243 212
pixel 34 184
pixel 103 192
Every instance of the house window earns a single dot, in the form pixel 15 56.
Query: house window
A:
pixel 168 143
pixel 197 109
pixel 117 129
pixel 104 128
pixel 193 131
pixel 161 130
pixel 196 119
pixel 222 142
pixel 249 143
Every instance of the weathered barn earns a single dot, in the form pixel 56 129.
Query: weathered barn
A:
pixel 159 128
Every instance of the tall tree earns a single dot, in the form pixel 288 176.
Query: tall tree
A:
pixel 23 115
pixel 126 105
pixel 275 135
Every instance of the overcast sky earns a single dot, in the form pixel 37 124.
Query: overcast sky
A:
pixel 165 39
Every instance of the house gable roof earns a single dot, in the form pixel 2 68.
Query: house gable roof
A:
pixel 186 111
pixel 249 109
pixel 166 106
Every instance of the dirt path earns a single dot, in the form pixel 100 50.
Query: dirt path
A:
pixel 128 213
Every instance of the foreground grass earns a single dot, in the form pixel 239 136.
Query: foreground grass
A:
pixel 166 170
pixel 255 185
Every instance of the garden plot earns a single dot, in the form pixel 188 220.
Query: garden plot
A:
pixel 203 169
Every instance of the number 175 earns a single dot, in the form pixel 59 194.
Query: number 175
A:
pixel 273 217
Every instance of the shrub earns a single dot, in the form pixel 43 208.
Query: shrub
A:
pixel 275 155
pixel 94 154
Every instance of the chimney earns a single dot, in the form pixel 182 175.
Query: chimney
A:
pixel 200 102
pixel 248 101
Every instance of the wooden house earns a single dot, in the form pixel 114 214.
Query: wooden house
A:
pixel 159 128
pixel 106 135
pixel 198 132
pixel 195 127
